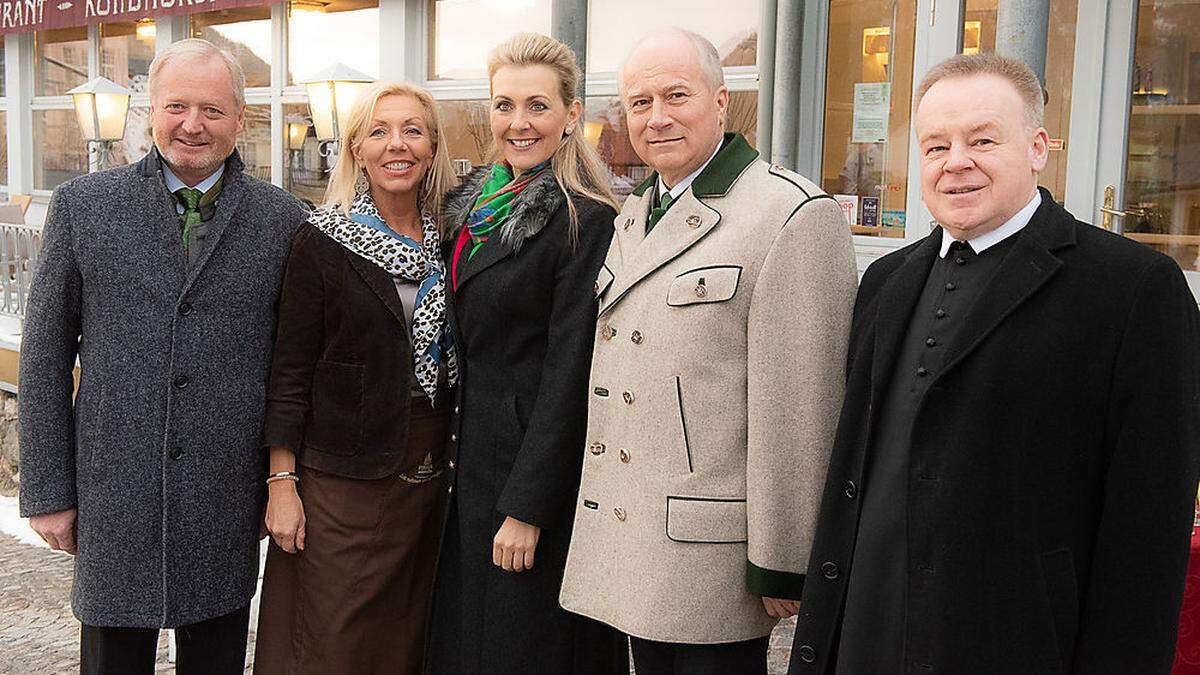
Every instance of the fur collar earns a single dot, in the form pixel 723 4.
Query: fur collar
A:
pixel 531 210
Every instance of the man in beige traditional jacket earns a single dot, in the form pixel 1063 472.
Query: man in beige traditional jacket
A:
pixel 718 371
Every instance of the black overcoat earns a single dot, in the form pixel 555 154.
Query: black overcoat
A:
pixel 1053 462
pixel 524 316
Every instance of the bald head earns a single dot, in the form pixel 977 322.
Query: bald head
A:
pixel 676 43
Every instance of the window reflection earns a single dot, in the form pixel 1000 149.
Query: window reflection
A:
pixel 244 32
pixel 61 63
pixel 126 53
pixel 868 96
pixel 4 147
pixel 61 154
pixel 254 143
pixel 306 172
pixel 319 34
pixel 611 34
pixel 464 31
pixel 466 130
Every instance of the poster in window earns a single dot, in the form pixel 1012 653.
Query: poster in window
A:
pixel 872 100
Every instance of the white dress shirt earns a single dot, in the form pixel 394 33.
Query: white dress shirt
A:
pixel 989 239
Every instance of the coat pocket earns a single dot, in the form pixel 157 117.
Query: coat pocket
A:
pixel 717 283
pixel 1058 570
pixel 337 402
pixel 704 520
pixel 677 385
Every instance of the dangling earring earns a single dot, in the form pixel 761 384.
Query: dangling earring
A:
pixel 361 184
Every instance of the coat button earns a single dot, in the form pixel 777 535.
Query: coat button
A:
pixel 453 438
pixel 596 449
pixel 181 381
pixel 950 286
pixel 701 290
pixel 619 513
pixel 451 464
pixel 455 410
pixel 175 453
pixel 636 337
pixel 628 396
pixel 595 288
pixel 693 221
pixel 185 308
pixel 450 490
pixel 807 654
pixel 941 314
pixel 628 223
pixel 851 490
pixel 921 371
pixel 830 570
pixel 624 456
pixel 607 332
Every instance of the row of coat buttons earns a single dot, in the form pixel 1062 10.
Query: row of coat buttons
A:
pixel 608 332
pixel 831 571
pixel 181 381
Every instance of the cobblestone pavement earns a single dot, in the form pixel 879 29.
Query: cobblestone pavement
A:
pixel 40 636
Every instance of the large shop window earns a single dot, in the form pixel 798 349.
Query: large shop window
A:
pixel 464 31
pixel 4 147
pixel 319 34
pixel 306 171
pixel 246 33
pixel 61 154
pixel 611 33
pixel 466 129
pixel 254 143
pixel 606 128
pixel 868 96
pixel 62 60
pixel 126 50
pixel 979 35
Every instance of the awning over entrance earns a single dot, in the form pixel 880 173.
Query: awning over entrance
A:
pixel 22 16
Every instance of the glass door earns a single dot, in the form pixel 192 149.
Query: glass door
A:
pixel 1147 184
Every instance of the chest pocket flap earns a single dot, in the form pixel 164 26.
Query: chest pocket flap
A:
pixel 707 284
pixel 603 280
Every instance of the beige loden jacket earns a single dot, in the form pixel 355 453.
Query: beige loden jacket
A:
pixel 717 377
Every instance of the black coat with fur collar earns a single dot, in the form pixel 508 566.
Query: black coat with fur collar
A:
pixel 524 316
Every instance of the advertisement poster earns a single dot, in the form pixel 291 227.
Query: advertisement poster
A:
pixel 870 212
pixel 849 204
pixel 893 219
pixel 871 103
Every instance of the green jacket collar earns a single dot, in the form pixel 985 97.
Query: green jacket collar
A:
pixel 735 155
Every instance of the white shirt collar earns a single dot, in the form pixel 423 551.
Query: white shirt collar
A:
pixel 684 184
pixel 989 239
pixel 173 182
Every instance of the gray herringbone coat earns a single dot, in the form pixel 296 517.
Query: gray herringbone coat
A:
pixel 159 450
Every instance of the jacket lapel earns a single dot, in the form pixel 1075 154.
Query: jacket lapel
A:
pixel 894 309
pixel 492 252
pixel 380 283
pixel 1026 268
pixel 686 223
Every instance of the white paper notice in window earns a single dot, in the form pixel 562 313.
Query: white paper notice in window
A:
pixel 872 100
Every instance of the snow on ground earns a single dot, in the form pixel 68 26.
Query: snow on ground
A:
pixel 14 525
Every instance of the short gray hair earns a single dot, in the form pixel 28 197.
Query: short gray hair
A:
pixel 195 48
pixel 1019 75
pixel 707 56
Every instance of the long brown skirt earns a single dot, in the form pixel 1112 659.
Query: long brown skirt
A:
pixel 355 600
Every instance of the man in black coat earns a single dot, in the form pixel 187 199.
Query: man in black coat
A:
pixel 1012 482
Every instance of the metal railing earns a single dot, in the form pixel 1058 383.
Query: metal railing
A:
pixel 20 246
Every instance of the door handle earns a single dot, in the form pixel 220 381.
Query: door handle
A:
pixel 1108 210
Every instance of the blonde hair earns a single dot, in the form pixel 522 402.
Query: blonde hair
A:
pixel 440 177
pixel 1019 75
pixel 196 48
pixel 576 164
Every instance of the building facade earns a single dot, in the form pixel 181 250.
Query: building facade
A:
pixel 823 86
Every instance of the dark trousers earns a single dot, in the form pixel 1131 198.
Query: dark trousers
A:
pixel 670 658
pixel 211 647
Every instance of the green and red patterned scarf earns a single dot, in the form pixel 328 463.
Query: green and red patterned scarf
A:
pixel 495 202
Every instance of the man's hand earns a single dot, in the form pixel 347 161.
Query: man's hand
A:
pixel 781 609
pixel 514 545
pixel 57 529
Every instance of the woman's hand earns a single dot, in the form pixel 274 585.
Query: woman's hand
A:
pixel 285 515
pixel 781 609
pixel 514 545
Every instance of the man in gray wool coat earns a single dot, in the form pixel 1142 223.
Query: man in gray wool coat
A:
pixel 162 277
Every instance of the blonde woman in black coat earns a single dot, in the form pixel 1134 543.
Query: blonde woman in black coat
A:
pixel 532 233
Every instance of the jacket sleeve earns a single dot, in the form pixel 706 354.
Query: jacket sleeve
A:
pixel 1130 612
pixel 797 336
pixel 49 345
pixel 545 476
pixel 298 339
